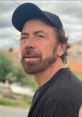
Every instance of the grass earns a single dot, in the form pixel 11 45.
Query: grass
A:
pixel 79 75
pixel 15 103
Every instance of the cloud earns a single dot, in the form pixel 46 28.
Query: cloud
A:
pixel 9 44
pixel 70 12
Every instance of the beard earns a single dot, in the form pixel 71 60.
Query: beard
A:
pixel 35 67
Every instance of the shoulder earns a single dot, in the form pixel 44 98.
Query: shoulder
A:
pixel 66 86
pixel 59 107
pixel 72 88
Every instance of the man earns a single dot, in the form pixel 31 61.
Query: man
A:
pixel 43 46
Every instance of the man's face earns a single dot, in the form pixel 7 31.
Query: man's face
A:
pixel 38 45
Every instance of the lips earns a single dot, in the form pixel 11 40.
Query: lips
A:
pixel 31 58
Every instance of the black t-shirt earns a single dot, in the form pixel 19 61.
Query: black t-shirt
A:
pixel 59 97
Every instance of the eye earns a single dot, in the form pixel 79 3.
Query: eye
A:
pixel 22 38
pixel 40 36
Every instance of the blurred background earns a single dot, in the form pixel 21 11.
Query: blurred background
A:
pixel 16 87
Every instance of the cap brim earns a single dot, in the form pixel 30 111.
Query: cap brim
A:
pixel 24 13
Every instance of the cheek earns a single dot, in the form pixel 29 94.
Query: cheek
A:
pixel 46 50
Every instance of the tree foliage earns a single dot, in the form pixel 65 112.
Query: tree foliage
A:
pixel 5 66
pixel 14 72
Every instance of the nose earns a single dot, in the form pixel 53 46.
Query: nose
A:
pixel 30 42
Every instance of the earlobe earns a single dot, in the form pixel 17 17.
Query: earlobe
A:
pixel 61 49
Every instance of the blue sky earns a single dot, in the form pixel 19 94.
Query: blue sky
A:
pixel 70 12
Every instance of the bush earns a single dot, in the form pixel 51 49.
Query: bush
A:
pixel 5 66
pixel 15 73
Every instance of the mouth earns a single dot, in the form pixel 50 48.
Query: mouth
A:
pixel 31 58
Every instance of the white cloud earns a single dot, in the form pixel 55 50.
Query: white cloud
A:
pixel 70 13
pixel 9 44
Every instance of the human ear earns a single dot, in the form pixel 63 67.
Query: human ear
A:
pixel 61 49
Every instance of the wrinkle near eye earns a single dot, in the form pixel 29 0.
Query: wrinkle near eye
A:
pixel 22 38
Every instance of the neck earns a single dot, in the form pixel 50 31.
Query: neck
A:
pixel 44 77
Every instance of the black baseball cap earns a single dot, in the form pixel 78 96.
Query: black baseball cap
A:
pixel 28 11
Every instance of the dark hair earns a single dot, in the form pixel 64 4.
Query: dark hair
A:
pixel 61 39
pixel 64 40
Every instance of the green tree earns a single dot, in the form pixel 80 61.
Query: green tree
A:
pixel 23 78
pixel 5 66
pixel 15 72
pixel 19 74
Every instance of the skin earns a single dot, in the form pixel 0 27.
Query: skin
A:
pixel 80 112
pixel 38 44
pixel 42 50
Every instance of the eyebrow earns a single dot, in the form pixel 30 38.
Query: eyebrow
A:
pixel 39 32
pixel 24 33
pixel 36 32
